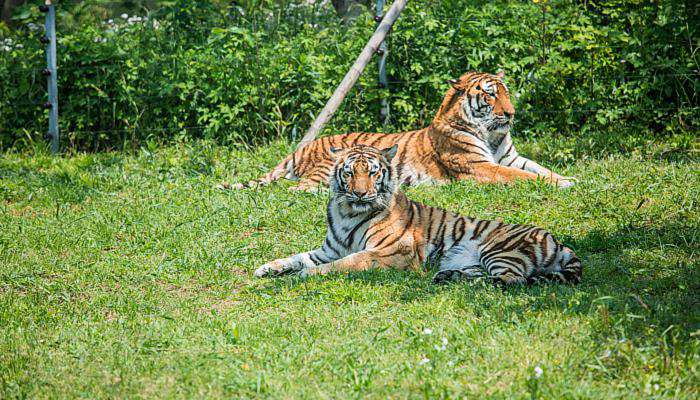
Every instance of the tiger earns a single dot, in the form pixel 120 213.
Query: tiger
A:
pixel 373 224
pixel 469 138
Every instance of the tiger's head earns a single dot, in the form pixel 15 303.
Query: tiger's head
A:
pixel 477 100
pixel 363 177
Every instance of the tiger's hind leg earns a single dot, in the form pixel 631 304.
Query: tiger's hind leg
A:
pixel 567 270
pixel 314 179
pixel 506 270
pixel 306 185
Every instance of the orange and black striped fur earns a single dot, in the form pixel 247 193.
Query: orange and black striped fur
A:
pixel 469 138
pixel 372 224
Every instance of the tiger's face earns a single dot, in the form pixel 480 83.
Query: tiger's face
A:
pixel 363 177
pixel 478 99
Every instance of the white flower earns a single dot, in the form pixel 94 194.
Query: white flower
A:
pixel 110 21
pixel 125 16
pixel 6 48
pixel 538 372
pixel 607 353
pixel 444 345
pixel 427 331
pixel 656 386
pixel 424 361
pixel 104 40
pixel 19 46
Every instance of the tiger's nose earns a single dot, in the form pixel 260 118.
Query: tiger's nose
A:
pixel 360 193
pixel 509 114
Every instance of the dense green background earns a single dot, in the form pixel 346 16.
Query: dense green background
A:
pixel 605 75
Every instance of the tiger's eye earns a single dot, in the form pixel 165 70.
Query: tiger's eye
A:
pixel 478 87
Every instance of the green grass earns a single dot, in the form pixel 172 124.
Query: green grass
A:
pixel 130 276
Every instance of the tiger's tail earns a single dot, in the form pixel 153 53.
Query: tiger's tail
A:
pixel 285 169
pixel 568 269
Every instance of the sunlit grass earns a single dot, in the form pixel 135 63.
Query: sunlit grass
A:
pixel 130 276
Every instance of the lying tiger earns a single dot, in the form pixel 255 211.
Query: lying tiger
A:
pixel 372 224
pixel 469 138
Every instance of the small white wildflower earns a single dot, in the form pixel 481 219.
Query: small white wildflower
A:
pixel 19 46
pixel 427 331
pixel 110 21
pixel 424 361
pixel 538 372
pixel 104 40
pixel 517 95
pixel 156 24
pixel 125 16
pixel 656 386
pixel 444 345
pixel 623 340
pixel 96 40
pixel 6 48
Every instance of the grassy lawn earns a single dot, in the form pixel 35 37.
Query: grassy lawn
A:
pixel 130 276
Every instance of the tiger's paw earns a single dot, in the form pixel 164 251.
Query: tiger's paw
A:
pixel 271 269
pixel 229 186
pixel 446 276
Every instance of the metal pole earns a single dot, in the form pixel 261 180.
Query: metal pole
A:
pixel 381 63
pixel 351 77
pixel 51 74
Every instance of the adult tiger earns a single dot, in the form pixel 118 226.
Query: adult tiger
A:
pixel 371 223
pixel 469 138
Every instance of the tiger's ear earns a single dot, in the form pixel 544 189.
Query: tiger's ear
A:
pixel 453 82
pixel 500 74
pixel 390 152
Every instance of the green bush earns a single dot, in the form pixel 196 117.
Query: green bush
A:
pixel 608 74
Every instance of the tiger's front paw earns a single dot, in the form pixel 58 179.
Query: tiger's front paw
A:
pixel 274 268
pixel 230 186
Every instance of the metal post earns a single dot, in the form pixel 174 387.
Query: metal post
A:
pixel 381 62
pixel 351 77
pixel 51 74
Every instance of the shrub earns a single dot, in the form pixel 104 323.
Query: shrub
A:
pixel 607 74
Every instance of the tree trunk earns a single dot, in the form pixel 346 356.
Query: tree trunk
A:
pixel 348 10
pixel 7 6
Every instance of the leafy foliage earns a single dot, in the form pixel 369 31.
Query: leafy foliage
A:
pixel 596 75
